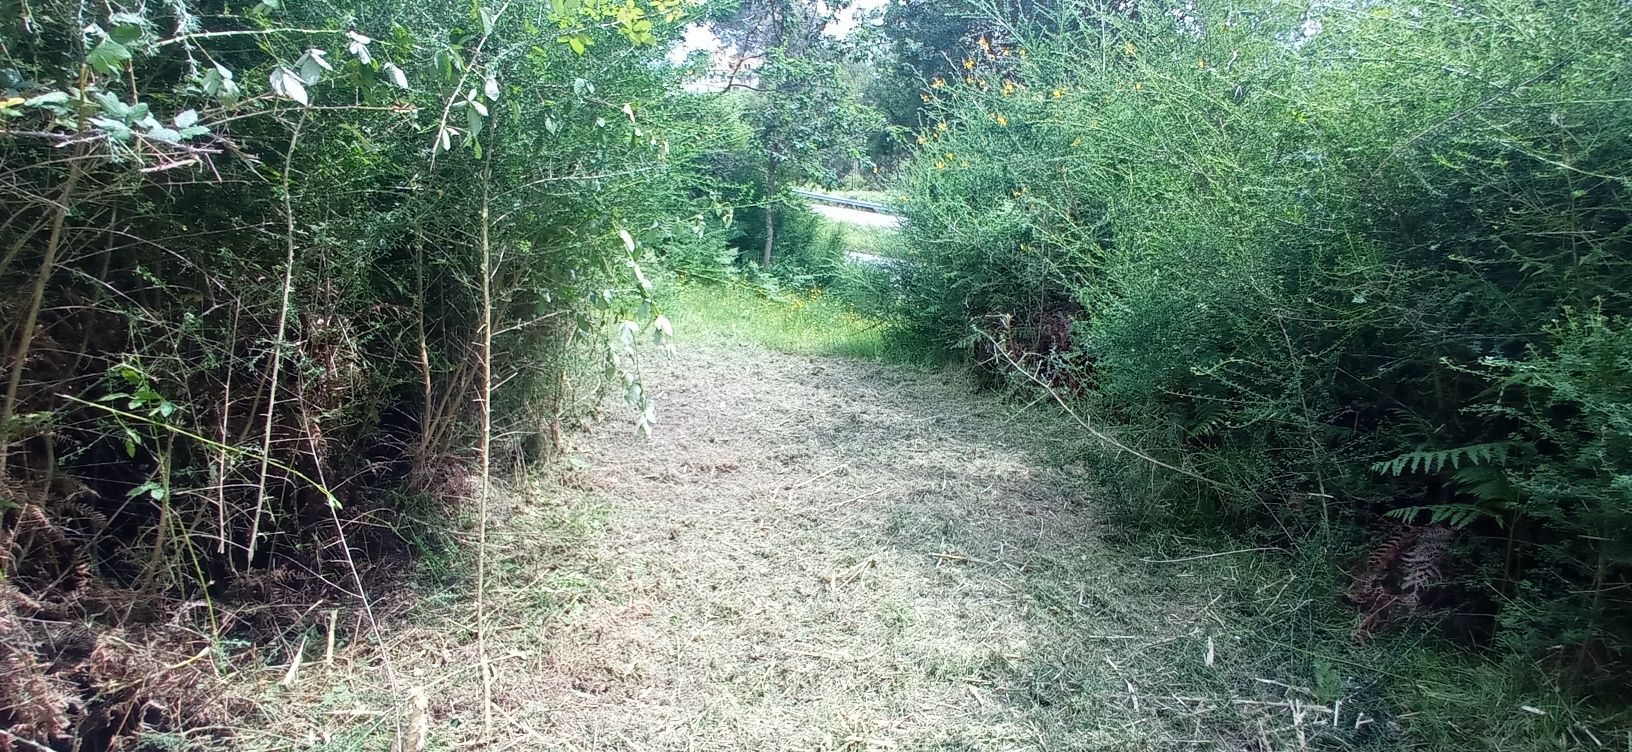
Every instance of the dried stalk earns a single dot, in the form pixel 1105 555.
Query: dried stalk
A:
pixel 1107 439
pixel 277 342
pixel 48 263
pixel 425 418
pixel 486 447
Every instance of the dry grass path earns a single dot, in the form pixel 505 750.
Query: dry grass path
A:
pixel 822 554
pixel 809 554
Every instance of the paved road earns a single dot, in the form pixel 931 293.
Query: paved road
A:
pixel 856 216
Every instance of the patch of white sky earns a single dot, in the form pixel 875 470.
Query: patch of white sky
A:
pixel 700 37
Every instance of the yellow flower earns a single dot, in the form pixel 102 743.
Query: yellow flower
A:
pixel 951 155
pixel 1021 52
pixel 941 126
pixel 924 97
pixel 937 83
pixel 1008 88
pixel 1138 86
pixel 875 170
pixel 983 85
pixel 985 45
pixel 939 165
pixel 1076 142
pixel 1128 49
pixel 1001 121
pixel 1059 93
pixel 905 198
pixel 922 140
pixel 1201 64
pixel 968 63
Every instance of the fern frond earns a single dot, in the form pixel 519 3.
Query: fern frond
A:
pixel 1458 516
pixel 1436 460
pixel 1487 483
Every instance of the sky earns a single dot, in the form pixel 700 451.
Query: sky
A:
pixel 699 37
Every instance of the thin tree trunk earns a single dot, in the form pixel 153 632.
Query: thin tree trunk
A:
pixel 770 212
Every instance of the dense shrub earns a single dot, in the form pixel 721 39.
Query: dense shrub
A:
pixel 261 270
pixel 1361 268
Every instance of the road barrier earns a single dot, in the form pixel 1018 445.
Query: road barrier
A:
pixel 845 202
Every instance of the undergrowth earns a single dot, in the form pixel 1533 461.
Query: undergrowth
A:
pixel 1366 307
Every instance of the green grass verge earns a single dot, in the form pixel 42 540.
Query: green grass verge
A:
pixel 878 241
pixel 809 323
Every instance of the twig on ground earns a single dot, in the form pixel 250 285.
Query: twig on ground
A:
pixel 1210 556
pixel 814 478
pixel 854 499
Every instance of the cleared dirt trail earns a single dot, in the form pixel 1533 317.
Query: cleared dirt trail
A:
pixel 809 554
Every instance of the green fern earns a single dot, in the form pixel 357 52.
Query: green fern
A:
pixel 1436 460
pixel 1456 515
pixel 1477 474
pixel 1488 483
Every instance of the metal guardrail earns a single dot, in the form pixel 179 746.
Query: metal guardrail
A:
pixel 846 202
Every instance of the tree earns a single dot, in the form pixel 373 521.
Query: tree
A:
pixel 803 113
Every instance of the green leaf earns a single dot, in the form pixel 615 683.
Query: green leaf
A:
pixel 312 66
pixel 218 83
pixel 126 33
pixel 395 75
pixel 115 129
pixel 47 99
pixel 287 84
pixel 358 47
pixel 186 118
pixel 108 57
pixel 449 63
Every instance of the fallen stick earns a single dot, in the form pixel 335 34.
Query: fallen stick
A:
pixel 814 478
pixel 1210 556
pixel 854 499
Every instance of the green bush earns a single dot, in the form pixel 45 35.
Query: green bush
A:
pixel 1360 268
pixel 261 266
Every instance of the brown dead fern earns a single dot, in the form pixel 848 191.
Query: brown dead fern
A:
pixel 1399 577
